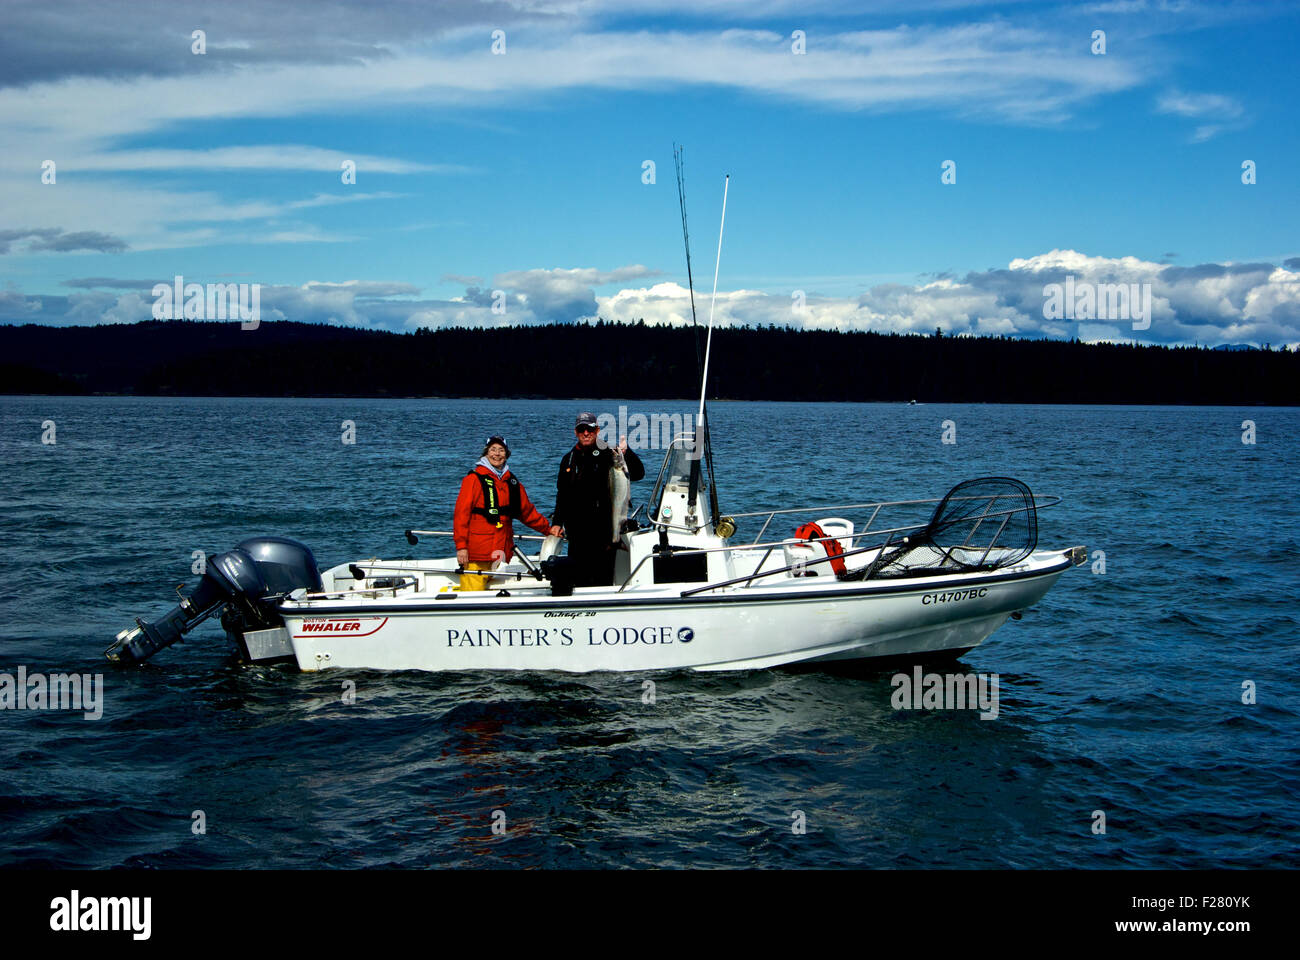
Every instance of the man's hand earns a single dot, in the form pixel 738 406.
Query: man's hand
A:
pixel 555 532
pixel 462 557
pixel 622 444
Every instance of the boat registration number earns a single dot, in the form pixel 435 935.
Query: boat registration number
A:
pixel 953 595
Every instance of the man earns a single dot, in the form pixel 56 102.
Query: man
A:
pixel 582 504
pixel 490 498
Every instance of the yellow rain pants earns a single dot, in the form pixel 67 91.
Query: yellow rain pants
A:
pixel 475 581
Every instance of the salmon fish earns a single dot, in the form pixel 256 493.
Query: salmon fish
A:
pixel 620 492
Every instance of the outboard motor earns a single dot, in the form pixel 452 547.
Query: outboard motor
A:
pixel 247 581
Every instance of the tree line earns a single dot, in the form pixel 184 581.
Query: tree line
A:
pixel 635 361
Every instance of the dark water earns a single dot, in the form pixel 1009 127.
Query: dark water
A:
pixel 1120 692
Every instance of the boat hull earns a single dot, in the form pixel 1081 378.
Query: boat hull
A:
pixel 740 629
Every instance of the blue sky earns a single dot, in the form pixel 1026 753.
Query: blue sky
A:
pixel 522 171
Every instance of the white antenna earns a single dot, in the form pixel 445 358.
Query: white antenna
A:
pixel 708 342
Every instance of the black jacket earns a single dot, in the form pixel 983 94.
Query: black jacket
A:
pixel 582 504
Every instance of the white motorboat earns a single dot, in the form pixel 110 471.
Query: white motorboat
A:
pixel 687 592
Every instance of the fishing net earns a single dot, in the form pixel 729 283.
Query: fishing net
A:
pixel 982 524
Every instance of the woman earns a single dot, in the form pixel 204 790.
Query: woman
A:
pixel 490 498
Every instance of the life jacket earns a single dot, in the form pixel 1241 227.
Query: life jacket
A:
pixel 811 531
pixel 492 511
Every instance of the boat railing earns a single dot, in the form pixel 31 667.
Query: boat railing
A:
pixel 888 533
pixel 875 508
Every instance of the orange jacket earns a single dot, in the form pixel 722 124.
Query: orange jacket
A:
pixel 484 540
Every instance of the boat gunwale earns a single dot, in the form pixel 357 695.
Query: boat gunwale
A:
pixel 878 588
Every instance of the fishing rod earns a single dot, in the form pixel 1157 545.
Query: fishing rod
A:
pixel 702 423
pixel 693 486
pixel 679 157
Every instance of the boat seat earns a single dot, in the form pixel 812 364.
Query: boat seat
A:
pixel 840 529
pixel 802 551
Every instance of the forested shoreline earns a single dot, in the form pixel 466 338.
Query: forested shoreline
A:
pixel 634 361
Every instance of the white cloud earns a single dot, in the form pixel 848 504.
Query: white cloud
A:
pixel 564 295
pixel 155 218
pixel 1225 112
pixel 16 308
pixel 92 125
pixel 278 157
pixel 358 288
pixel 1199 105
pixel 333 199
pixel 988 67
pixel 1208 304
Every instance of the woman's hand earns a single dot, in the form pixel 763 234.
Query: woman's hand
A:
pixel 462 557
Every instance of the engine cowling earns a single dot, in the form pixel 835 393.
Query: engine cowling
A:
pixel 247 581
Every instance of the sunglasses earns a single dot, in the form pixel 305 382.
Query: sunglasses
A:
pixel 586 429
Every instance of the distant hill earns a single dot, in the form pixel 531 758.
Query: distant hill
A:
pixel 194 358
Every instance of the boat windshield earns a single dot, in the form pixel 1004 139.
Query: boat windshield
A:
pixel 683 482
